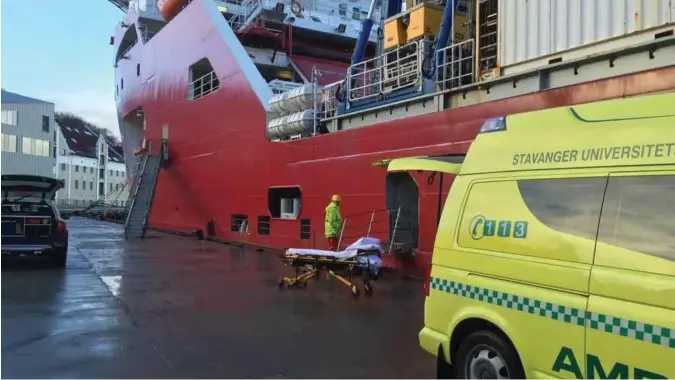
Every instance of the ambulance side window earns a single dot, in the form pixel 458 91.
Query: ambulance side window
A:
pixel 638 215
pixel 569 205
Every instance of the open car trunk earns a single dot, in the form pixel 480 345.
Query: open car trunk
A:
pixel 28 216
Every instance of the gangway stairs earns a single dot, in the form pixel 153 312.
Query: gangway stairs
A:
pixel 141 196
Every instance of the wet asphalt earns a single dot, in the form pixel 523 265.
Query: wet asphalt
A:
pixel 170 306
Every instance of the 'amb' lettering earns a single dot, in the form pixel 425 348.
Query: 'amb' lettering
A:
pixel 566 361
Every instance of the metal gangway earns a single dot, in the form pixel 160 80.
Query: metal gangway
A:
pixel 392 227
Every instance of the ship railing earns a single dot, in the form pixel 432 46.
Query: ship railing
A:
pixel 455 66
pixel 150 7
pixel 363 79
pixel 394 227
pixel 326 100
pixel 240 19
pixel 279 86
pixel 402 67
pixel 203 85
pixel 392 71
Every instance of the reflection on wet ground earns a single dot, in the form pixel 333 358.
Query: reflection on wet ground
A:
pixel 170 306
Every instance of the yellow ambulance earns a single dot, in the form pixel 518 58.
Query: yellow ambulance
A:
pixel 555 252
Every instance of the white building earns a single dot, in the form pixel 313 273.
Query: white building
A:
pixel 91 168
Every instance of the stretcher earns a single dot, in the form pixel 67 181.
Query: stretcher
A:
pixel 363 259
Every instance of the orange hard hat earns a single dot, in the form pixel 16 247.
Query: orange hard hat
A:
pixel 336 198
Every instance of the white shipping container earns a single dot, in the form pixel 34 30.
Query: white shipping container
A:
pixel 532 29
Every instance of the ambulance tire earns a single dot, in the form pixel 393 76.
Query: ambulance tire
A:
pixel 483 346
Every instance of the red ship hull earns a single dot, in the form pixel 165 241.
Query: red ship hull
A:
pixel 222 163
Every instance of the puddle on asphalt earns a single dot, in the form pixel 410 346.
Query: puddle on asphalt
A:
pixel 113 284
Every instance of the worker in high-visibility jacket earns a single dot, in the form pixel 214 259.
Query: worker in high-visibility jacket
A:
pixel 333 222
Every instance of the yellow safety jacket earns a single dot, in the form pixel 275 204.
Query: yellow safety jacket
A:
pixel 333 220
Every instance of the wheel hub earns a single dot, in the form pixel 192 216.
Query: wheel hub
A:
pixel 486 364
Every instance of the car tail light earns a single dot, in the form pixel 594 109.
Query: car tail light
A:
pixel 427 280
pixel 61 226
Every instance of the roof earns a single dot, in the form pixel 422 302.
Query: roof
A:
pixel 11 97
pixel 82 142
pixel 624 132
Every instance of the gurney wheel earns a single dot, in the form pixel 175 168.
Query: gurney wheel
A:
pixel 355 291
pixel 368 289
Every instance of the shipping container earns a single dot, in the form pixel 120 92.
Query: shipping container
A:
pixel 533 32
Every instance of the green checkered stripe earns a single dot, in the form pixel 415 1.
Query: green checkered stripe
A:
pixel 662 336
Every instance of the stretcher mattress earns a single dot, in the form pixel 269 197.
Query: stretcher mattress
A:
pixel 361 250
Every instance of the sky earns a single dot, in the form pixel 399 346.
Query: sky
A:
pixel 58 51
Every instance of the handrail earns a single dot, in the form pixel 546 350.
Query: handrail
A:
pixel 133 200
pixel 152 191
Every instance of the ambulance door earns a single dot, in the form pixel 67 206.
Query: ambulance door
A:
pixel 630 323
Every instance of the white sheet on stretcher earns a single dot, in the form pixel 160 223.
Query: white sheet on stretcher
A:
pixel 363 244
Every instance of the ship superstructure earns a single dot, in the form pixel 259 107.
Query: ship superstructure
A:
pixel 247 163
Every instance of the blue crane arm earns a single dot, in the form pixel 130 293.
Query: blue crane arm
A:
pixel 366 27
pixel 444 33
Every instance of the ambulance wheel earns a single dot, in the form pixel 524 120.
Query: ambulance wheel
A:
pixel 355 291
pixel 484 354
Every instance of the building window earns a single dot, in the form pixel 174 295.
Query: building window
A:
pixel 637 215
pixel 101 189
pixel 110 172
pixel 35 147
pixel 45 123
pixel 91 185
pixel 77 168
pixel 63 166
pixel 111 188
pixel 9 117
pixel 76 184
pixel 284 202
pixel 117 173
pixel 91 170
pixel 8 143
pixel 138 69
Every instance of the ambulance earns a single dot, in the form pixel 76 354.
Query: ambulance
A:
pixel 555 251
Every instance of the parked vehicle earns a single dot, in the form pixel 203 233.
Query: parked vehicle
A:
pixel 31 222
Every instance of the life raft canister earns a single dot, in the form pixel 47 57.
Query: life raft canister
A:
pixel 170 8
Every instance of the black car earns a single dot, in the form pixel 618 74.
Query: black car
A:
pixel 31 223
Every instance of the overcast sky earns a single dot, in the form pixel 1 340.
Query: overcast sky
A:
pixel 59 51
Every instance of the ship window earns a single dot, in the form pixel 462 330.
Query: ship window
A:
pixel 202 79
pixel 128 41
pixel 342 9
pixel 239 223
pixel 263 225
pixel 356 13
pixel 284 202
